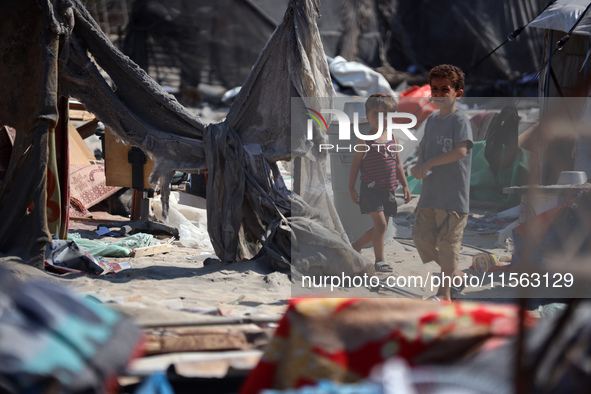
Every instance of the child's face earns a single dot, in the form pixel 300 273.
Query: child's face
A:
pixel 373 117
pixel 443 93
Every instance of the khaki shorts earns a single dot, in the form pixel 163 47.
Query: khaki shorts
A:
pixel 437 234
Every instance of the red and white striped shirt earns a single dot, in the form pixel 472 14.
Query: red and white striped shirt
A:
pixel 379 165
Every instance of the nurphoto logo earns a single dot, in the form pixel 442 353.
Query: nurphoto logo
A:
pixel 345 129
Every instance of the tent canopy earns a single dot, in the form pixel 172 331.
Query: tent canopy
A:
pixel 218 42
pixel 563 14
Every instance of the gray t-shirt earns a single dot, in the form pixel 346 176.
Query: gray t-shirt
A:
pixel 448 187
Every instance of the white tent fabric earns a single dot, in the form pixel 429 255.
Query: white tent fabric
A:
pixel 563 14
pixel 362 79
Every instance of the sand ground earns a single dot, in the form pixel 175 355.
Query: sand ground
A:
pixel 179 281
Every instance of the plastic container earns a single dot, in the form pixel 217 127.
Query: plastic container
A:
pixel 572 178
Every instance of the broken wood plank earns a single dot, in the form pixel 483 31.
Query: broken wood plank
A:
pixel 81 115
pixel 79 152
pixel 103 217
pixel 76 105
pixel 205 320
pixel 197 364
pixel 117 166
pixel 164 318
pixel 89 220
pixel 202 340
pixel 151 250
pixel 87 129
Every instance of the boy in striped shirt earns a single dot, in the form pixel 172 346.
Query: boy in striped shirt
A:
pixel 381 173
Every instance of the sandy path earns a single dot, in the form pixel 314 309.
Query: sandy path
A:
pixel 179 281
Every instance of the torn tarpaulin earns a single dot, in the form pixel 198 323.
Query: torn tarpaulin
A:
pixel 249 209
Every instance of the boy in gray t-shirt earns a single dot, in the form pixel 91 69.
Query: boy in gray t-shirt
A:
pixel 444 166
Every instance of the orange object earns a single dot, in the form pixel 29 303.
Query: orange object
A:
pixel 416 100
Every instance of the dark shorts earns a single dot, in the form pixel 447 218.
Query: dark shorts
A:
pixel 376 200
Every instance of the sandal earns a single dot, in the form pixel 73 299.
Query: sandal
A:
pixel 382 266
pixel 456 291
pixel 442 300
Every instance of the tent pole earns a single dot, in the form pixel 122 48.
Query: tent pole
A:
pixel 547 86
pixel 545 106
pixel 587 63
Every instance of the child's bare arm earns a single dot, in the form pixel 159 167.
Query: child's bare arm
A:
pixel 418 164
pixel 353 175
pixel 459 151
pixel 401 176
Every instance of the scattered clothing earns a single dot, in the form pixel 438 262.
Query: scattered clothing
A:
pixel 121 248
pixel 66 256
pixel 51 340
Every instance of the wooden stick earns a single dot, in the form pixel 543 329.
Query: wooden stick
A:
pixel 151 250
pixel 214 321
pixel 91 220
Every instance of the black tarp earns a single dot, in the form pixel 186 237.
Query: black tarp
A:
pixel 462 32
pixel 212 42
pixel 218 42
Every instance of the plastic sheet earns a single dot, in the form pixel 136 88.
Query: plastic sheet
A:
pixel 186 215
pixel 121 248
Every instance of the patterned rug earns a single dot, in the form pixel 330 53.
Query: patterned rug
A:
pixel 88 187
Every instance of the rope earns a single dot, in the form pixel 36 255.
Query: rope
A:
pixel 511 37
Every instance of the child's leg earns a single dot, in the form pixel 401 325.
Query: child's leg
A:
pixel 370 202
pixel 363 241
pixel 424 233
pixel 380 225
pixel 368 236
pixel 449 243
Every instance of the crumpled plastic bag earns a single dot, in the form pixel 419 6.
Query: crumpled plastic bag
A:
pixel 185 214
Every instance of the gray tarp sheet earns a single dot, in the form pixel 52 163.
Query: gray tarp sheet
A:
pixel 563 14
